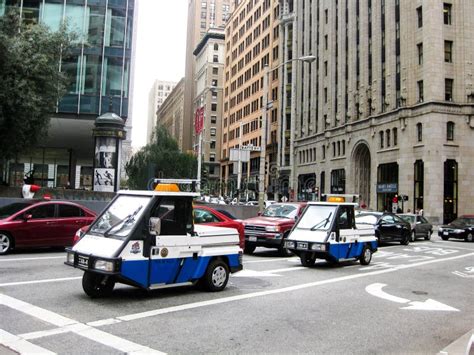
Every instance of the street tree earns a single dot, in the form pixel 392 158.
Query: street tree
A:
pixel 159 159
pixel 31 82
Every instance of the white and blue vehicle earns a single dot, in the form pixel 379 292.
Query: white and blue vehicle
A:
pixel 148 239
pixel 327 230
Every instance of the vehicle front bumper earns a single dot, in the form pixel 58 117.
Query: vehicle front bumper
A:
pixel 451 234
pixel 264 239
pixel 87 262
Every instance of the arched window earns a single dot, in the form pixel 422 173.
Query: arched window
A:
pixel 388 137
pixel 381 139
pixel 450 131
pixel 419 132
pixel 395 136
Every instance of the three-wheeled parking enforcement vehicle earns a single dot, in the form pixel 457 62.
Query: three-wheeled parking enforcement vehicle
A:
pixel 148 239
pixel 328 231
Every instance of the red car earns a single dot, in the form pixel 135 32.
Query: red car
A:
pixel 209 216
pixel 32 223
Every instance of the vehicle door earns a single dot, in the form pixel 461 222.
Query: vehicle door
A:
pixel 422 227
pixel 39 228
pixel 387 227
pixel 202 216
pixel 172 257
pixel 401 228
pixel 70 219
pixel 345 229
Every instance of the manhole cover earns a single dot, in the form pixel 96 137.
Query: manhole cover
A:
pixel 420 292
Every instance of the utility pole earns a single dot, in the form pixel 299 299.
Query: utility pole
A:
pixel 263 145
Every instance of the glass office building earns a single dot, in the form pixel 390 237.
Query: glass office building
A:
pixel 100 69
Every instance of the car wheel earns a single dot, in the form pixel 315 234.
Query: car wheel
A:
pixel 97 285
pixel 470 238
pixel 444 237
pixel 366 256
pixel 6 243
pixel 282 249
pixel 412 236
pixel 428 235
pixel 307 259
pixel 406 240
pixel 216 276
pixel 249 248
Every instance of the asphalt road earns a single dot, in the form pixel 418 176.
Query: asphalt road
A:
pixel 410 299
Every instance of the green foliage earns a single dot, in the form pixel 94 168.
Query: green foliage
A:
pixel 31 83
pixel 159 159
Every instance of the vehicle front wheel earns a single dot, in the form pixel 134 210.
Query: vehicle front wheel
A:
pixel 284 251
pixel 366 256
pixel 444 237
pixel 406 240
pixel 412 236
pixel 249 248
pixel 216 276
pixel 428 235
pixel 470 238
pixel 97 285
pixel 6 243
pixel 307 259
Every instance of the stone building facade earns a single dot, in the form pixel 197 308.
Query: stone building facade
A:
pixel 387 109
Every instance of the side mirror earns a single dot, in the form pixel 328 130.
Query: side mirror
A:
pixel 27 217
pixel 154 226
pixel 259 213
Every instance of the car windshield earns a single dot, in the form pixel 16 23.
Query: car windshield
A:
pixel 408 218
pixel 121 216
pixel 11 209
pixel 317 217
pixel 463 221
pixel 366 219
pixel 284 211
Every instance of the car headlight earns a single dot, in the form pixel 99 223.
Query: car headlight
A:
pixel 70 258
pixel 272 228
pixel 104 265
pixel 321 247
pixel 290 244
pixel 440 229
pixel 459 231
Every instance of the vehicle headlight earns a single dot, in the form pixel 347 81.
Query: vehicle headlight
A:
pixel 316 246
pixel 290 244
pixel 104 265
pixel 458 231
pixel 440 229
pixel 70 258
pixel 272 228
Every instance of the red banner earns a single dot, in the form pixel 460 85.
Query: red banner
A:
pixel 199 120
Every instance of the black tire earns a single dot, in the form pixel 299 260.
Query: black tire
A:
pixel 249 248
pixel 216 276
pixel 282 250
pixel 307 259
pixel 469 238
pixel 428 235
pixel 6 243
pixel 412 236
pixel 406 240
pixel 366 256
pixel 444 237
pixel 97 285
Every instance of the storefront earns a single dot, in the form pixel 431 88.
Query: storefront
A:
pixel 387 186
pixel 307 190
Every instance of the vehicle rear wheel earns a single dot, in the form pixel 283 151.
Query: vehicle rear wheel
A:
pixel 444 237
pixel 6 243
pixel 366 256
pixel 412 236
pixel 249 248
pixel 216 276
pixel 470 238
pixel 307 259
pixel 428 235
pixel 97 285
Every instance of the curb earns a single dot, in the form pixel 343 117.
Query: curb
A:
pixel 464 345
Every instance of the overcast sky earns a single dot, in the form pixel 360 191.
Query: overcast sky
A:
pixel 160 54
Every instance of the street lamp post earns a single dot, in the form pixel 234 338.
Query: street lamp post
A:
pixel 263 145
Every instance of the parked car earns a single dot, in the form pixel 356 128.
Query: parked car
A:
pixel 420 227
pixel 272 227
pixel 388 226
pixel 32 223
pixel 460 228
pixel 212 217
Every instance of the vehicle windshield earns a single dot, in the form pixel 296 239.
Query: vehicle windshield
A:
pixel 366 219
pixel 121 216
pixel 317 217
pixel 463 221
pixel 11 209
pixel 408 218
pixel 283 211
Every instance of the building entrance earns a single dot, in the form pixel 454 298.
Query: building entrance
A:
pixel 362 173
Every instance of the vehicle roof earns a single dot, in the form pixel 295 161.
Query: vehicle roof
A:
pixel 332 203
pixel 157 193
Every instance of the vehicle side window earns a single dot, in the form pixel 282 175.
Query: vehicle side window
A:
pixel 397 219
pixel 45 211
pixel 203 216
pixel 387 219
pixel 66 211
pixel 344 218
pixel 174 213
pixel 423 219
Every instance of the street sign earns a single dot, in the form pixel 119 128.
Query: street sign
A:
pixel 251 148
pixel 199 120
pixel 244 155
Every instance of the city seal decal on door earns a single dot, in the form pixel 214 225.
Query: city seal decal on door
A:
pixel 135 248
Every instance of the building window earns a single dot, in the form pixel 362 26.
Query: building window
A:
pixel 213 132
pixel 212 157
pixel 448 89
pixel 419 185
pixel 213 107
pixel 448 51
pixel 215 70
pixel 419 16
pixel 324 152
pixel 450 131
pixel 322 187
pixel 213 119
pixel 420 91
pixel 212 145
pixel 450 190
pixel 326 16
pixel 387 133
pixel 338 181
pixel 216 47
pixel 420 53
pixel 419 132
pixel 395 136
pixel 326 42
pixel 215 58
pixel 447 13
pixel 381 133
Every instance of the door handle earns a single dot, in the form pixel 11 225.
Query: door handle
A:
pixel 48 223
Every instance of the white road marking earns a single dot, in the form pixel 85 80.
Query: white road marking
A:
pixel 81 329
pixel 294 268
pixel 20 345
pixel 253 273
pixel 455 247
pixel 269 260
pixel 40 281
pixel 430 305
pixel 376 290
pixel 28 259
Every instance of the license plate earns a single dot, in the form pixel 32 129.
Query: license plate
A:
pixel 302 245
pixel 252 239
pixel 82 261
pixel 445 233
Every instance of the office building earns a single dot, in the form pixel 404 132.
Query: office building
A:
pixel 158 94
